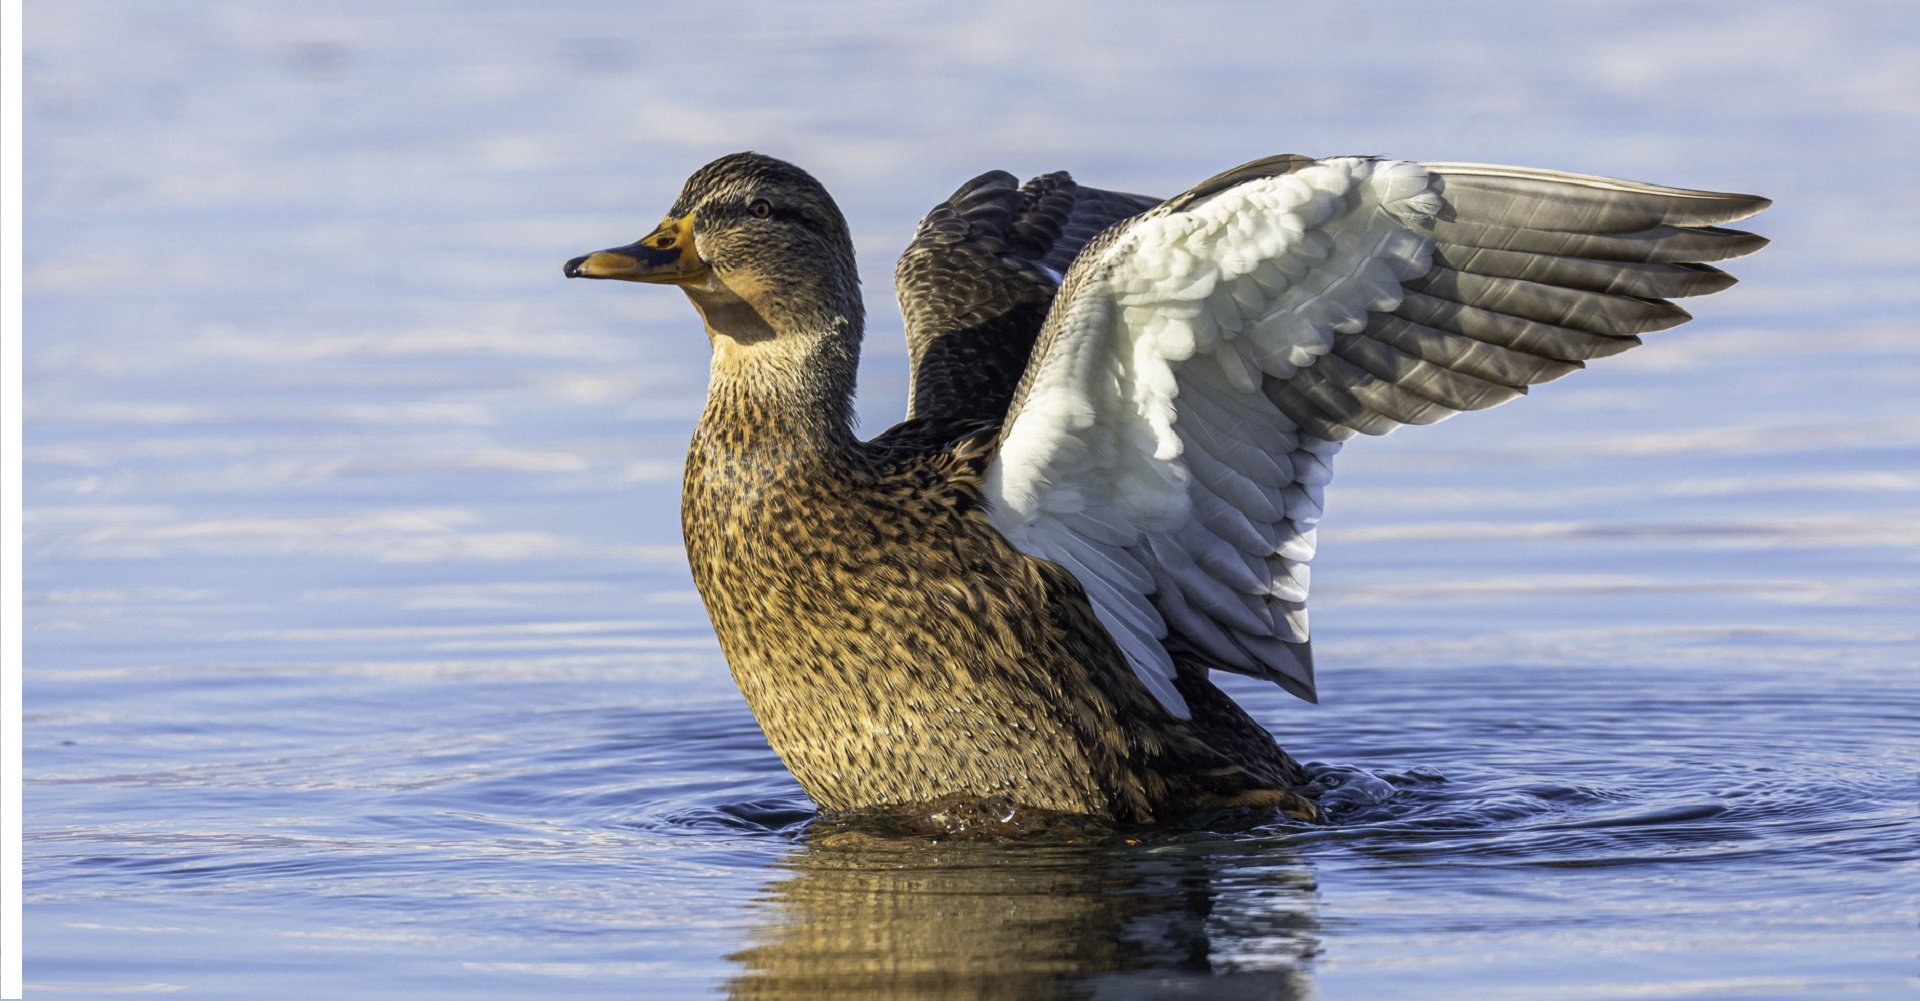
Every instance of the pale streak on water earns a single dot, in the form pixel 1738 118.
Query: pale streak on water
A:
pixel 363 661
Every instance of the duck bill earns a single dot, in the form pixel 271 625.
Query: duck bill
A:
pixel 662 257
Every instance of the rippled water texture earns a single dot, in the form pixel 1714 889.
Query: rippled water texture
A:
pixel 363 658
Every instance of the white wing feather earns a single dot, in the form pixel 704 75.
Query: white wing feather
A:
pixel 1151 451
pixel 1256 280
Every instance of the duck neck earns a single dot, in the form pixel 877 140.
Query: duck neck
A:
pixel 780 397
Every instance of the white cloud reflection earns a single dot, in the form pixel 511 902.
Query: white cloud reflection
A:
pixel 394 535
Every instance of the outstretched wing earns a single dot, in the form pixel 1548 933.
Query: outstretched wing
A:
pixel 1171 437
pixel 977 280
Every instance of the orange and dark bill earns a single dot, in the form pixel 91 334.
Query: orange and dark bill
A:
pixel 663 256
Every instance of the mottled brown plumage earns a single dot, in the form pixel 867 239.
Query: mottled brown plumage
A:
pixel 896 649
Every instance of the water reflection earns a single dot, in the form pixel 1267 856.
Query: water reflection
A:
pixel 917 920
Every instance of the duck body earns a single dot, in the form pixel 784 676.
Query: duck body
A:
pixel 898 652
pixel 997 602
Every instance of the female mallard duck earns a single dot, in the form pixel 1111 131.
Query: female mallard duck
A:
pixel 1016 595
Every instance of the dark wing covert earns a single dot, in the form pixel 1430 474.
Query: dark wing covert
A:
pixel 977 280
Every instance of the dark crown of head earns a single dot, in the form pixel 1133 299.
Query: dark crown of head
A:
pixel 748 171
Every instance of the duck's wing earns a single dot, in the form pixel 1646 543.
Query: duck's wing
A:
pixel 1170 439
pixel 977 280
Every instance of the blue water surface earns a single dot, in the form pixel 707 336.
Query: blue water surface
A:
pixel 363 660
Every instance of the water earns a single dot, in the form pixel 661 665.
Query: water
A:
pixel 363 660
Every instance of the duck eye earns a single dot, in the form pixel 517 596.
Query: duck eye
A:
pixel 760 209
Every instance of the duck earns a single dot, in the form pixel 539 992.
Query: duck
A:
pixel 1122 412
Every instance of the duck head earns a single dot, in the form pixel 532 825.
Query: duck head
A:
pixel 757 244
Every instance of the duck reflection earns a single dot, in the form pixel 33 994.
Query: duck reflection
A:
pixel 1218 919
